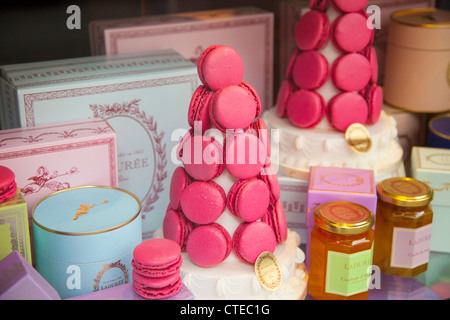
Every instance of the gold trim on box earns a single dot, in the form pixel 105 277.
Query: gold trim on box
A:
pixel 395 17
pixel 443 136
pixel 91 232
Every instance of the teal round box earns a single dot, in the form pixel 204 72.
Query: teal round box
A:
pixel 84 238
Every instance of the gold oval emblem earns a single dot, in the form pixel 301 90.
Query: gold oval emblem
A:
pixel 268 271
pixel 358 138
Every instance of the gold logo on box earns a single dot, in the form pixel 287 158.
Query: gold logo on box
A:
pixel 85 208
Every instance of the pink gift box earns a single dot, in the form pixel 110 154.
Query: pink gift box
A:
pixel 54 157
pixel 338 184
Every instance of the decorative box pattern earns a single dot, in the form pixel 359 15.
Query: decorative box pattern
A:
pixel 248 30
pixel 338 184
pixel 14 228
pixel 432 166
pixel 143 96
pixel 50 158
pixel 20 281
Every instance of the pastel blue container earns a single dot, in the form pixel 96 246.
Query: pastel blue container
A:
pixel 84 238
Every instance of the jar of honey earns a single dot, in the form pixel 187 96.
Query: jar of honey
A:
pixel 341 251
pixel 403 226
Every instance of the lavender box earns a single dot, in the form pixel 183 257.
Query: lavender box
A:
pixel 20 281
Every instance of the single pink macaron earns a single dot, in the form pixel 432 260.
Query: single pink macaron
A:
pixel 351 72
pixel 248 199
pixel 312 30
pixel 202 157
pixel 156 288
pixel 157 258
pixel 198 113
pixel 287 88
pixel 320 5
pixel 8 186
pixel 180 180
pixel 259 129
pixel 219 67
pixel 291 63
pixel 349 32
pixel 305 108
pixel 234 107
pixel 209 245
pixel 269 176
pixel 310 70
pixel 245 155
pixel 349 6
pixel 371 55
pixel 347 108
pixel 276 219
pixel 251 239
pixel 177 227
pixel 374 97
pixel 203 202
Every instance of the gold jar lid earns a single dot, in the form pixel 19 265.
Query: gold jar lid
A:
pixel 343 217
pixel 423 17
pixel 404 192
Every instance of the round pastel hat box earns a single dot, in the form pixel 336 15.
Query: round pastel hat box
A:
pixel 439 131
pixel 84 238
pixel 417 70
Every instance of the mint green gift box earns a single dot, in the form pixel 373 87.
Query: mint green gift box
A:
pixel 432 166
pixel 84 238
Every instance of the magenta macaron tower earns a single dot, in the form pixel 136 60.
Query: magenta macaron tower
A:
pixel 224 209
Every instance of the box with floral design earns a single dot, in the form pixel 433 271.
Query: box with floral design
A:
pixel 144 97
pixel 432 166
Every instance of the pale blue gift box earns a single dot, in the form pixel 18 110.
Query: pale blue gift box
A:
pixel 84 238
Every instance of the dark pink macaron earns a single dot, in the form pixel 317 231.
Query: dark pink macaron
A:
pixel 202 157
pixel 8 186
pixel 198 113
pixel 351 72
pixel 287 88
pixel 310 70
pixel 234 107
pixel 371 55
pixel 276 219
pixel 345 109
pixel 350 32
pixel 320 5
pixel 245 155
pixel 269 176
pixel 208 245
pixel 180 180
pixel 177 227
pixel 251 239
pixel 291 63
pixel 349 6
pixel 220 66
pixel 312 30
pixel 248 199
pixel 305 108
pixel 203 202
pixel 374 97
pixel 259 129
pixel 156 288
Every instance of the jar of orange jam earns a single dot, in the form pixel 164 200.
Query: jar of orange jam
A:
pixel 403 226
pixel 341 251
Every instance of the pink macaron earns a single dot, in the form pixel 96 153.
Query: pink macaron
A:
pixel 180 180
pixel 202 157
pixel 290 68
pixel 248 199
pixel 251 239
pixel 156 288
pixel 350 33
pixel 310 70
pixel 305 108
pixel 8 186
pixel 276 219
pixel 351 72
pixel 208 245
pixel 219 67
pixel 157 258
pixel 234 107
pixel 320 5
pixel 312 30
pixel 245 155
pixel 203 202
pixel 374 97
pixel 259 129
pixel 287 88
pixel 198 112
pixel 371 55
pixel 349 6
pixel 269 176
pixel 177 227
pixel 347 108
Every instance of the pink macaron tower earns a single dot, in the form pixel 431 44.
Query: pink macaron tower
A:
pixel 333 72
pixel 224 199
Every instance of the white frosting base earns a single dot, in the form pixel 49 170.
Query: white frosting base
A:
pixel 295 150
pixel 236 280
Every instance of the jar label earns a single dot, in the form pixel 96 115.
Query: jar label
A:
pixel 348 274
pixel 410 247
